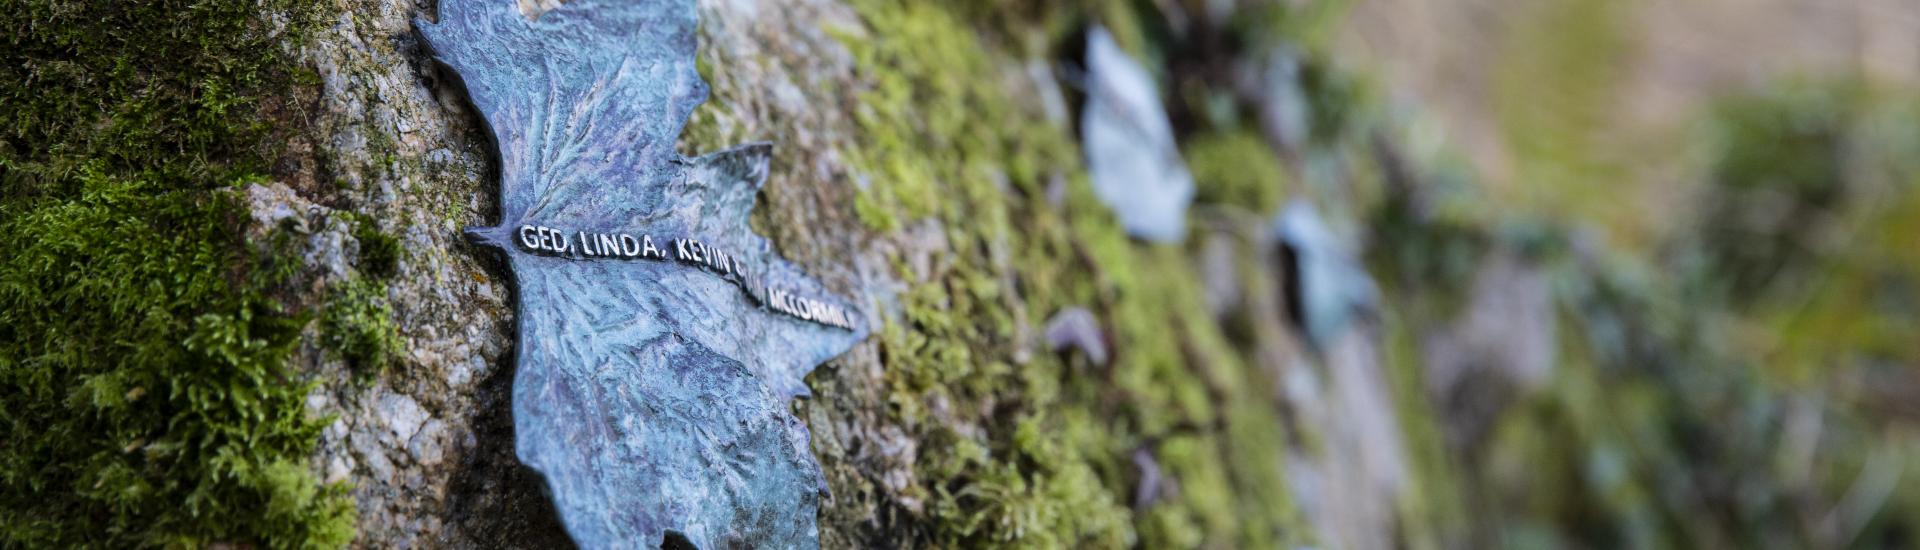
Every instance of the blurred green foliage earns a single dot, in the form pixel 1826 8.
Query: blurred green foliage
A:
pixel 1809 226
pixel 1744 388
pixel 1778 175
pixel 1735 367
pixel 1556 87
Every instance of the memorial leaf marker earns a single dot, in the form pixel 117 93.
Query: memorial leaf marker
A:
pixel 659 340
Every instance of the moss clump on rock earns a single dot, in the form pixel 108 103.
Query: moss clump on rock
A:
pixel 379 252
pixel 1036 448
pixel 1236 168
pixel 148 400
pixel 357 325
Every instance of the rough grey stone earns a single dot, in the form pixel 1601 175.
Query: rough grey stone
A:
pixel 402 414
pixel 425 446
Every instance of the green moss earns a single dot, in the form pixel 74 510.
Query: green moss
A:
pixel 707 129
pixel 1236 168
pixel 1036 449
pixel 357 325
pixel 356 320
pixel 379 252
pixel 148 402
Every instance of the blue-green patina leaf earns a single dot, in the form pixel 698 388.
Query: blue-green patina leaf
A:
pixel 651 391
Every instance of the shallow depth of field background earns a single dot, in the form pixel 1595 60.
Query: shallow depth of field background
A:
pixel 1752 164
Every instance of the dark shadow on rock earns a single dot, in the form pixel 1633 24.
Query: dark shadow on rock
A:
pixel 496 502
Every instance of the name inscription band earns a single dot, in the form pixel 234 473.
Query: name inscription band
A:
pixel 587 245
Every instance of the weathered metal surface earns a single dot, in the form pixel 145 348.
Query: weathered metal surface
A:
pixel 660 340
